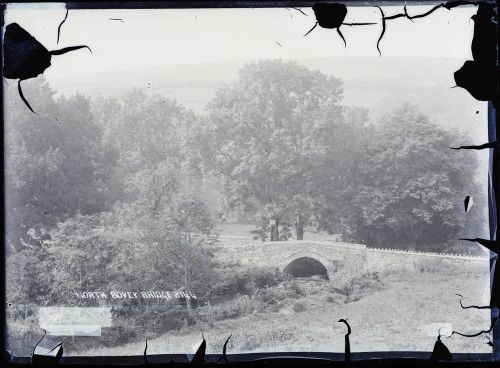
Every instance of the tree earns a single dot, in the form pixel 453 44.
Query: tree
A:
pixel 151 134
pixel 410 186
pixel 268 134
pixel 57 164
pixel 338 181
pixel 156 179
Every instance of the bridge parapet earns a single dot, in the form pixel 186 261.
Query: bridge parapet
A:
pixel 388 259
pixel 352 258
pixel 430 254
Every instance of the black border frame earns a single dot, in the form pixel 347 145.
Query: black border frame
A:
pixel 320 359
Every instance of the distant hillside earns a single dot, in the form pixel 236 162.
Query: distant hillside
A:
pixel 380 84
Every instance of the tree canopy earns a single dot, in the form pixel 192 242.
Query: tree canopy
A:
pixel 269 134
pixel 409 187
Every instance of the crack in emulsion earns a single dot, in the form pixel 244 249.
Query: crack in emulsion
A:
pixel 60 25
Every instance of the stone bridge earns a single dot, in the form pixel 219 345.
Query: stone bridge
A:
pixel 337 256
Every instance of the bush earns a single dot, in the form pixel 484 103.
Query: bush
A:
pixel 295 290
pixel 352 299
pixel 266 278
pixel 331 299
pixel 358 287
pixel 132 322
pixel 234 281
pixel 263 300
pixel 278 336
pixel 428 265
pixel 299 307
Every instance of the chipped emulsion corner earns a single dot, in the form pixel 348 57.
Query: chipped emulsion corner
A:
pixel 25 57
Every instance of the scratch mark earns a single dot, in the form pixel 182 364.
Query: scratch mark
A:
pixel 447 5
pixel 489 342
pixel 406 13
pixel 493 321
pixel 22 95
pixel 300 10
pixel 311 29
pixel 60 24
pixel 492 144
pixel 347 348
pixel 341 36
pixel 68 49
pixel 39 341
pixel 358 24
pixel 473 306
pixel 224 351
pixel 383 30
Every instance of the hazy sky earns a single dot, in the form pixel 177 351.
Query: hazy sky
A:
pixel 166 37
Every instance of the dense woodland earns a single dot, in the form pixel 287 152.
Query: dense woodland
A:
pixel 110 193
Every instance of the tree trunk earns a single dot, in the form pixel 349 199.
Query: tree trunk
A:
pixel 187 287
pixel 275 234
pixel 299 227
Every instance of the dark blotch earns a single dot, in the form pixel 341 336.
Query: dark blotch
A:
pixel 494 246
pixel 330 15
pixel 480 76
pixel 440 351
pixel 466 203
pixel 25 57
pixel 199 356
pixel 479 79
pixel 347 345
pixel 224 350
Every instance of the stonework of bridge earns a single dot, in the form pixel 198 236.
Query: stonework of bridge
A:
pixel 338 256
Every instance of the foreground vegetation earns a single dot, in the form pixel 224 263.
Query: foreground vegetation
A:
pixel 402 313
pixel 268 311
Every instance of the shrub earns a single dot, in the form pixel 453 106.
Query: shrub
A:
pixel 356 288
pixel 331 299
pixel 233 281
pixel 265 277
pixel 295 290
pixel 278 336
pixel 352 299
pixel 428 265
pixel 299 307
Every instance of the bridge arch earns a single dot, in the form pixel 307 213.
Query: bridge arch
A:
pixel 290 261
